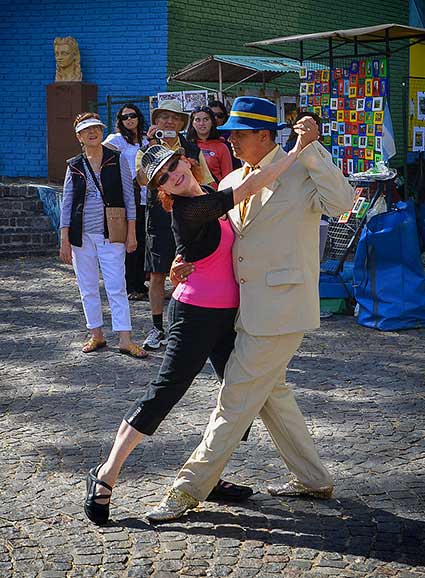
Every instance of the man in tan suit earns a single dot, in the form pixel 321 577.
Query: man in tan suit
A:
pixel 276 262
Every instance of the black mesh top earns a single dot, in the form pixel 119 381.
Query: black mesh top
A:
pixel 195 222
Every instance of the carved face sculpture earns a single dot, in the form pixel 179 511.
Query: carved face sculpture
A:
pixel 67 56
pixel 64 54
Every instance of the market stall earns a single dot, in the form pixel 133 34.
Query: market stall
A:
pixel 353 96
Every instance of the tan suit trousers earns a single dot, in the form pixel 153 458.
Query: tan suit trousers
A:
pixel 254 384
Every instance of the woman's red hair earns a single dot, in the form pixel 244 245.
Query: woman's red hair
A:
pixel 167 200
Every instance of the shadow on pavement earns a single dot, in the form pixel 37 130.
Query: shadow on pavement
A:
pixel 345 527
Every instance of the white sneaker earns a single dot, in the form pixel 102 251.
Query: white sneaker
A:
pixel 155 339
pixel 295 488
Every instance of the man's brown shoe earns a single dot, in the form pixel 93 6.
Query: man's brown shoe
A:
pixel 295 488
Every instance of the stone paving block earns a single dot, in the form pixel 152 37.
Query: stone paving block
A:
pixel 219 571
pixel 169 565
pixel 137 569
pixel 53 574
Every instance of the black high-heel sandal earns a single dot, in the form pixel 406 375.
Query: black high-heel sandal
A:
pixel 95 512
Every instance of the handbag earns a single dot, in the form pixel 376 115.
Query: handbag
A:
pixel 116 219
pixel 117 224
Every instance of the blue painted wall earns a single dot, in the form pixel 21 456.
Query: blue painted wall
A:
pixel 123 48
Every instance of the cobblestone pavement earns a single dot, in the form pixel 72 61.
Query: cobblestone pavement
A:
pixel 363 395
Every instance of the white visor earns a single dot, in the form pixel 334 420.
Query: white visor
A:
pixel 88 122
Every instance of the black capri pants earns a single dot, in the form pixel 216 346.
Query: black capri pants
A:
pixel 195 334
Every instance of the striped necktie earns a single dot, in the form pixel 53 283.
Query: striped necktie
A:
pixel 243 205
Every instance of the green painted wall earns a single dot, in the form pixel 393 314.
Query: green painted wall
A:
pixel 198 28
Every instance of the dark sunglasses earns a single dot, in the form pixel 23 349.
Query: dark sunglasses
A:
pixel 165 176
pixel 219 114
pixel 202 109
pixel 129 115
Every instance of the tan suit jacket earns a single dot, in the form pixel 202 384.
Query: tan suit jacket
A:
pixel 276 249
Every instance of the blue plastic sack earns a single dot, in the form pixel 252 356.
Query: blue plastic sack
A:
pixel 331 285
pixel 388 276
pixel 50 200
pixel 421 224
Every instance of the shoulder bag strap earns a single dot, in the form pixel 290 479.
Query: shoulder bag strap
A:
pixel 96 182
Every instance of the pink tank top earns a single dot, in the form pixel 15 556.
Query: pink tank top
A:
pixel 212 284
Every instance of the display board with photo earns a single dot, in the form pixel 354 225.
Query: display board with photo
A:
pixel 187 99
pixel 421 105
pixel 416 112
pixel 163 96
pixel 418 144
pixel 350 100
pixel 194 98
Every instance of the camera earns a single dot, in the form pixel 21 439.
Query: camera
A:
pixel 165 133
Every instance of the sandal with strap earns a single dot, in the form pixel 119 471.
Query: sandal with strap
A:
pixel 95 512
pixel 93 344
pixel 134 351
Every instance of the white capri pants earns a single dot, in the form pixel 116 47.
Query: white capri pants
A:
pixel 97 250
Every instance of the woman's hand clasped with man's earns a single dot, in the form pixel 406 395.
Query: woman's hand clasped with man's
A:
pixel 307 131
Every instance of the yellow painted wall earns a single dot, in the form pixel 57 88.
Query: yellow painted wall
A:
pixel 416 84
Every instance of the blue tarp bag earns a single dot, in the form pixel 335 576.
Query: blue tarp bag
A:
pixel 421 225
pixel 388 276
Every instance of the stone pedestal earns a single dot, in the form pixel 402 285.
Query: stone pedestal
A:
pixel 64 101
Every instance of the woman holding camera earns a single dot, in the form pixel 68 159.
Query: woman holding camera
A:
pixel 95 179
pixel 128 138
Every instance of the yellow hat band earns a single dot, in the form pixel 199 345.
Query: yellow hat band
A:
pixel 254 116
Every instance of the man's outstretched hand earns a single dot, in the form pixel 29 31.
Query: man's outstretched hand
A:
pixel 180 270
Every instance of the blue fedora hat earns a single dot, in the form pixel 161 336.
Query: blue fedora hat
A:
pixel 252 113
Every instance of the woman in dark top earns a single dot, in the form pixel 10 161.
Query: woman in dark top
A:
pixel 201 312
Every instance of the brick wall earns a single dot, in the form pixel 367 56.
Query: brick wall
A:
pixel 198 29
pixel 123 48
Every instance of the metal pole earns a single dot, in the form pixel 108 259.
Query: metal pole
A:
pixel 405 115
pixel 387 43
pixel 387 56
pixel 109 112
pixel 220 82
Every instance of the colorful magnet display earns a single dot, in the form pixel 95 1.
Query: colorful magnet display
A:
pixel 350 100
